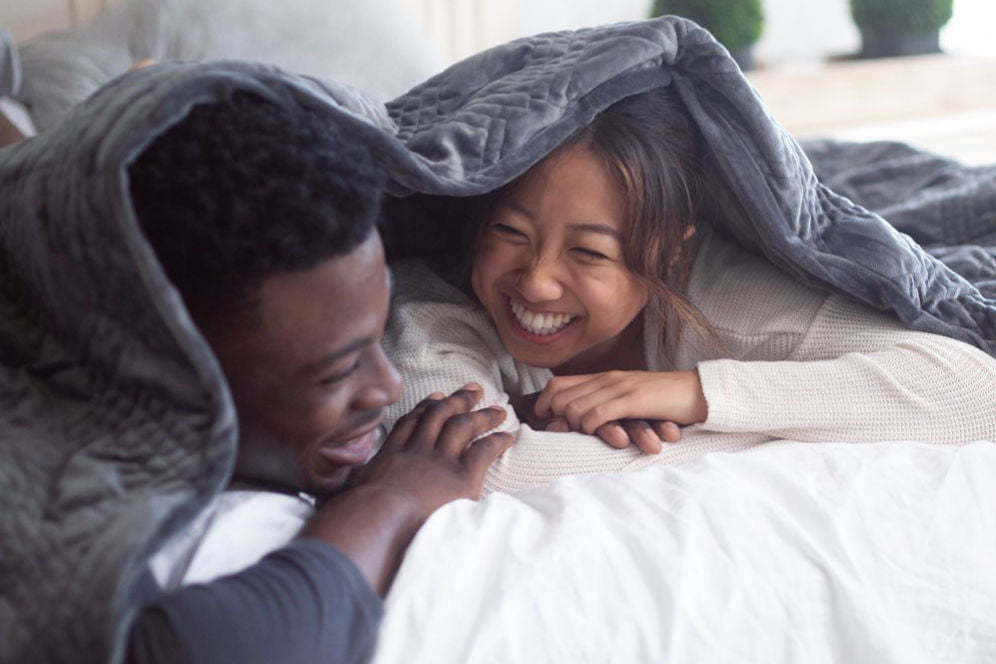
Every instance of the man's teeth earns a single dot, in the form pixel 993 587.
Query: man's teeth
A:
pixel 537 323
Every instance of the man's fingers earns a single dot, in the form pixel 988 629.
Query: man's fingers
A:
pixel 406 425
pixel 438 412
pixel 460 430
pixel 483 451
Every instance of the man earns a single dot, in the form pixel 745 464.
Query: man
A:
pixel 263 217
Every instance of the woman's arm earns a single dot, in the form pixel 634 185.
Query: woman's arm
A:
pixel 438 339
pixel 858 375
pixel 855 374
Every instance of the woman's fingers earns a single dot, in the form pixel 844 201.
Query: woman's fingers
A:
pixel 642 434
pixel 555 391
pixel 558 424
pixel 614 435
pixel 667 430
pixel 588 402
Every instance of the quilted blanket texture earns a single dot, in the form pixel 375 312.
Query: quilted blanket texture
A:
pixel 116 425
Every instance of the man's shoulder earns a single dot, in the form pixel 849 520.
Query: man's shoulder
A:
pixel 235 530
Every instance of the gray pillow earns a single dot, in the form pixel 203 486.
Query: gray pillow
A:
pixel 370 44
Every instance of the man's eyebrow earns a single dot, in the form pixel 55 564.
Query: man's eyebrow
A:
pixel 333 357
pixel 604 229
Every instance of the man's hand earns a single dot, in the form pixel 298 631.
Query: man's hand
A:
pixel 434 455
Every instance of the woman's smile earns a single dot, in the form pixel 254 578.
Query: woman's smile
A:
pixel 547 325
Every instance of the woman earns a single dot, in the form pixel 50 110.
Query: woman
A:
pixel 597 281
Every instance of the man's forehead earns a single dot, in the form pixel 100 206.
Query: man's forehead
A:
pixel 308 315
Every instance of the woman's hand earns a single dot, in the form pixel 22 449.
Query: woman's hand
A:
pixel 590 401
pixel 648 435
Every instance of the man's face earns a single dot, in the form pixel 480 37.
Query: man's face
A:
pixel 310 380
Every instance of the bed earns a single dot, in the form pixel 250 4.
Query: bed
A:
pixel 836 552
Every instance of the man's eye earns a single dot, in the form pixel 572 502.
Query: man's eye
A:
pixel 591 254
pixel 332 379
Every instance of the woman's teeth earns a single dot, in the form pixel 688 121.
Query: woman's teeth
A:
pixel 537 323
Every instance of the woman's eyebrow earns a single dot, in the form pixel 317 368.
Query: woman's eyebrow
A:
pixel 603 229
pixel 515 206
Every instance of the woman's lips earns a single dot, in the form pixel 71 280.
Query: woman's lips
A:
pixel 539 339
pixel 350 452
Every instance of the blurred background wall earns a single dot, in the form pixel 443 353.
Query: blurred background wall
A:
pixel 804 65
pixel 796 32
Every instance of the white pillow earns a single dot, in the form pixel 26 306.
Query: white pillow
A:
pixel 373 45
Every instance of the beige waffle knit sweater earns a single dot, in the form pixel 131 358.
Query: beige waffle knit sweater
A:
pixel 806 366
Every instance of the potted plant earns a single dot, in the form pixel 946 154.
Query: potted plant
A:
pixel 900 27
pixel 736 24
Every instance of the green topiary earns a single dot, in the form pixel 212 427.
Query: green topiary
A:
pixel 736 24
pixel 913 17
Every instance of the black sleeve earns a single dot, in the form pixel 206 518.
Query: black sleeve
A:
pixel 306 602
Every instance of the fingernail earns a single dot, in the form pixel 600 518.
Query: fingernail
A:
pixel 471 386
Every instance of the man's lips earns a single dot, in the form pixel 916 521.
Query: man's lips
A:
pixel 350 452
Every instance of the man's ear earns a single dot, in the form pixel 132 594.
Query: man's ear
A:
pixel 9 134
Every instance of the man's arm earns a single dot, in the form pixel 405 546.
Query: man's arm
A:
pixel 314 600
pixel 305 602
pixel 433 456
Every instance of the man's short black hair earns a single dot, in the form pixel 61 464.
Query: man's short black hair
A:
pixel 243 189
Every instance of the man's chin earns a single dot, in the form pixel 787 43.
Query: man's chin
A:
pixel 329 484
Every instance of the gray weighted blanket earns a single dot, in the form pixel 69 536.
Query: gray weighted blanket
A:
pixel 116 425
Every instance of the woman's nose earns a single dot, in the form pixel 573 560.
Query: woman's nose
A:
pixel 539 282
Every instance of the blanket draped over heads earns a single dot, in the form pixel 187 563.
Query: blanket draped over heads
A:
pixel 116 424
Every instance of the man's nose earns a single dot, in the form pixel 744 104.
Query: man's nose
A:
pixel 385 384
pixel 539 282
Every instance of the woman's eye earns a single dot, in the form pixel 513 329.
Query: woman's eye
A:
pixel 332 379
pixel 591 254
pixel 505 229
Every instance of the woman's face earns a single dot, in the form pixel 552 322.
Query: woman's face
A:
pixel 549 265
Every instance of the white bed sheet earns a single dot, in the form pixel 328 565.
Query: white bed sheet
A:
pixel 792 552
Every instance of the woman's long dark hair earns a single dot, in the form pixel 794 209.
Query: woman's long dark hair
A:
pixel 653 150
